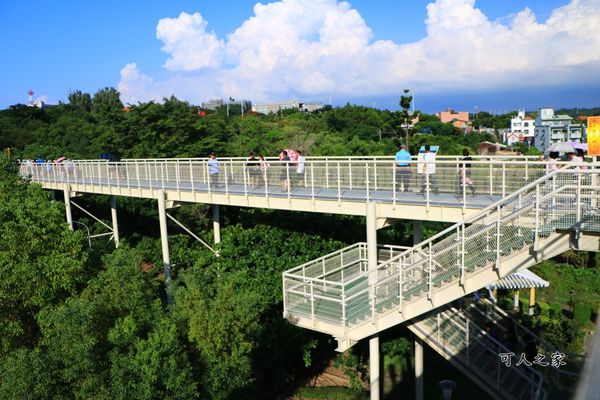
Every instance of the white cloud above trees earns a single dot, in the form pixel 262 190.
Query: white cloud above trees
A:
pixel 314 47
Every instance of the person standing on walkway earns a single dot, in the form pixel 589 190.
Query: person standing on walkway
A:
pixel 429 172
pixel 284 176
pixel 402 167
pixel 253 170
pixel 264 167
pixel 464 178
pixel 300 168
pixel 213 170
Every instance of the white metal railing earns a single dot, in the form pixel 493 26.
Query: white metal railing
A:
pixel 455 334
pixel 341 179
pixel 566 198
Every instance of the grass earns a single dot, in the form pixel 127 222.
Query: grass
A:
pixel 330 393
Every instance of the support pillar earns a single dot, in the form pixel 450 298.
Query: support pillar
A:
pixel 216 223
pixel 115 223
pixel 164 241
pixel 374 367
pixel 516 301
pixel 418 369
pixel 531 300
pixel 68 208
pixel 372 267
pixel 417 232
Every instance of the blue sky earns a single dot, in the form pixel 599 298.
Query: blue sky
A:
pixel 454 53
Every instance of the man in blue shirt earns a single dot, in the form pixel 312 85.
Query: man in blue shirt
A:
pixel 403 158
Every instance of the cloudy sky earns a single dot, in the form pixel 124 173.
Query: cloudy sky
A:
pixel 489 54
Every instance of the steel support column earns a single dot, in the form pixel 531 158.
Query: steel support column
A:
pixel 372 268
pixel 516 301
pixel 115 223
pixel 418 369
pixel 417 232
pixel 374 367
pixel 68 208
pixel 164 241
pixel 216 223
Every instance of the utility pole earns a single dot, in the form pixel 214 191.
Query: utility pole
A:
pixel 405 102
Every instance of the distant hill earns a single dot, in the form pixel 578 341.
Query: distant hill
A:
pixel 574 112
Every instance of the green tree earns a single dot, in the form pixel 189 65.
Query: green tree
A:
pixel 41 260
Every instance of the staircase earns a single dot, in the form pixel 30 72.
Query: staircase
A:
pixel 337 294
pixel 454 335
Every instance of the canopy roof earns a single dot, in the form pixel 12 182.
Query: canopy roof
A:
pixel 520 280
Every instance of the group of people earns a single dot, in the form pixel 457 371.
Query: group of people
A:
pixel 575 158
pixel 257 170
pixel 426 168
pixel 62 165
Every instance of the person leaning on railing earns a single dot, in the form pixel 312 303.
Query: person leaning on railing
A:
pixel 402 167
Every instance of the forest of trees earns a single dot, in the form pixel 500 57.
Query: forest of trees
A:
pixel 93 323
pixel 89 125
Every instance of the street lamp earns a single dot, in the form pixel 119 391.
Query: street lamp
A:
pixel 88 231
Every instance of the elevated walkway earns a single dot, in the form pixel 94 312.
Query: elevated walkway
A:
pixel 336 186
pixel 341 295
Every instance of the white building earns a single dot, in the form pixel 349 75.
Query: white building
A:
pixel 522 128
pixel 286 105
pixel 552 128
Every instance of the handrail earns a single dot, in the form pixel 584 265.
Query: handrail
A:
pixel 485 210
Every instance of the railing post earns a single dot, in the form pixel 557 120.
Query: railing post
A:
pixel 176 176
pixel 372 254
pixel 367 180
pixel 350 173
pixel 343 303
pixel 312 301
pixel 289 182
pixel 400 284
pixel 578 203
pixel 339 183
pixel 503 180
pixel 394 183
pixel 463 175
pixel 426 188
pixel 312 181
pixel 430 268
pixel 246 172
pixel 137 174
pixel 498 234
pixel 226 180
pixel 462 255
pixel 266 177
pixel 536 231
pixel 207 178
pixel 491 175
pixel 191 176
pixel 375 173
pixel 327 173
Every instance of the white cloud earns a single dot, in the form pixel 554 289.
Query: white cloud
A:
pixel 188 43
pixel 314 47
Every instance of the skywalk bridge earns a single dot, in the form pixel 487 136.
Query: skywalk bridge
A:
pixel 336 185
pixel 522 213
